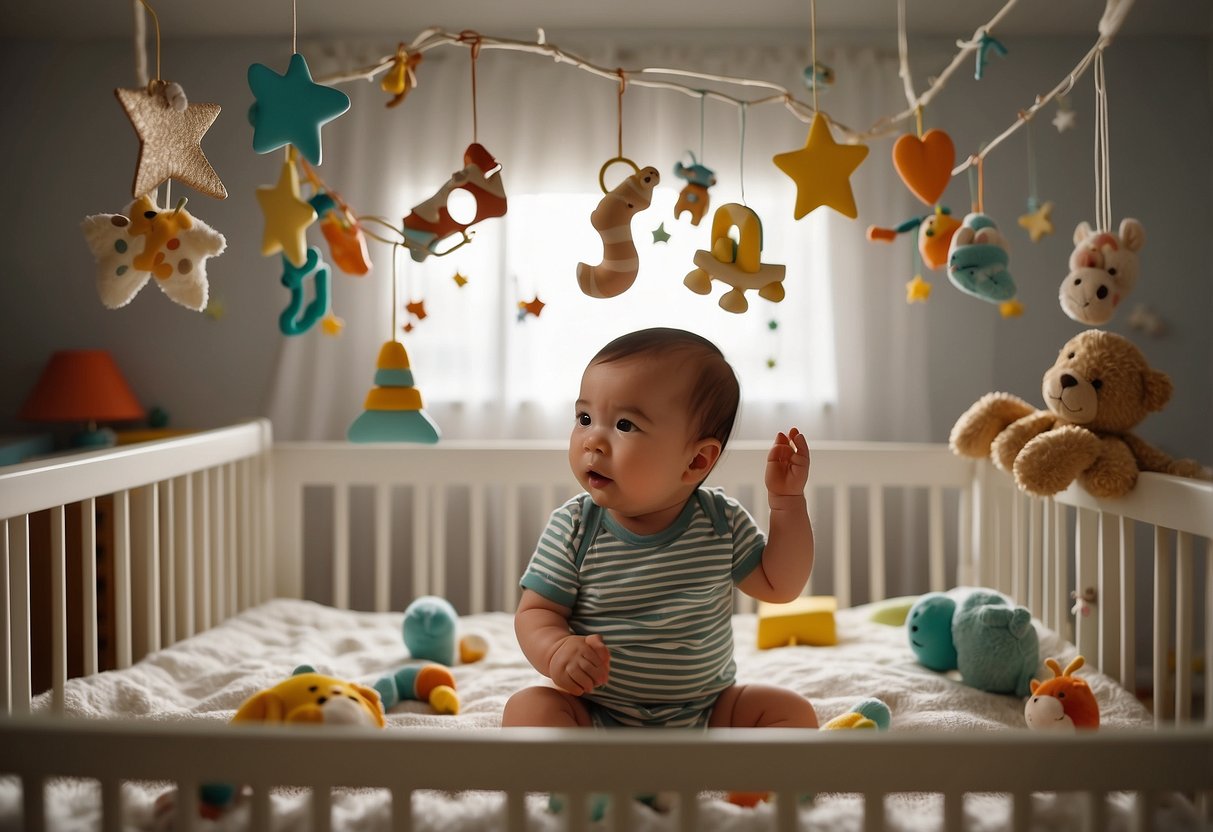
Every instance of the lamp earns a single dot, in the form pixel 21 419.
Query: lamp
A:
pixel 82 386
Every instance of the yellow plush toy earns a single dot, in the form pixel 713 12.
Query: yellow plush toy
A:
pixel 310 697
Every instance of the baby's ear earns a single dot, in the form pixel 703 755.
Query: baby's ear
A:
pixel 705 453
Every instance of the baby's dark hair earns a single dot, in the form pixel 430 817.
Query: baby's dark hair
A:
pixel 715 393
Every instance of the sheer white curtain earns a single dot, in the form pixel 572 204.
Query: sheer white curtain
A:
pixel 836 357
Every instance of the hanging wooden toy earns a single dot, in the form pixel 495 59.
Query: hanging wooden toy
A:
pixel 340 227
pixel 290 109
pixel 1104 265
pixel 300 315
pixel 736 263
pixel 402 76
pixel 429 223
pixel 1038 222
pixel 146 241
pixel 620 264
pixel 693 198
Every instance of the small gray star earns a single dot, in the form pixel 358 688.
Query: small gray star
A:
pixel 660 235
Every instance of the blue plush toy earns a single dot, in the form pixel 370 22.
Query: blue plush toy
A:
pixel 429 629
pixel 977 260
pixel 979 632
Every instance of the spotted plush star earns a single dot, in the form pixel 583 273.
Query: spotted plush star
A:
pixel 532 307
pixel 822 170
pixel 416 307
pixel 291 108
pixel 287 217
pixel 459 279
pixel 1065 120
pixel 660 235
pixel 917 290
pixel 1038 222
pixel 170 142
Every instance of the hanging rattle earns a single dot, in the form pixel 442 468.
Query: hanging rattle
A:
pixel 613 221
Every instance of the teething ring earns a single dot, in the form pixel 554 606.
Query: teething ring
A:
pixel 602 171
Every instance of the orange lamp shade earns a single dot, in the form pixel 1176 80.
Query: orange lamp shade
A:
pixel 81 386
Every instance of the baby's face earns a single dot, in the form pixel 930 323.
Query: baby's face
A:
pixel 632 439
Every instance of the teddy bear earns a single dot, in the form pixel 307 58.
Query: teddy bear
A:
pixel 1103 270
pixel 1097 391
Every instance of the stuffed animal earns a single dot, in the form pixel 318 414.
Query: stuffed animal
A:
pixel 1097 391
pixel 311 697
pixel 977 260
pixel 1063 703
pixel 426 682
pixel 613 221
pixel 1103 270
pixel 979 632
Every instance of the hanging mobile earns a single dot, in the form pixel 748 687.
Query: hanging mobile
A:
pixel 693 199
pixel 1038 222
pixel 612 219
pixel 978 258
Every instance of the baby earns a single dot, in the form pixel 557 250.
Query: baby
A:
pixel 627 601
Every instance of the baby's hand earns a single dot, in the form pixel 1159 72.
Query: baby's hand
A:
pixel 788 465
pixel 580 664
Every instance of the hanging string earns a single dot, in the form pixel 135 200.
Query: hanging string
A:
pixel 294 27
pixel 395 300
pixel 702 100
pixel 741 163
pixel 1103 193
pixel 813 45
pixel 903 59
pixel 1032 204
pixel 972 174
pixel 918 119
pixel 623 82
pixel 981 185
pixel 472 37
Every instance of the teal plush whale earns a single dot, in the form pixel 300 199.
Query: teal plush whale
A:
pixel 978 260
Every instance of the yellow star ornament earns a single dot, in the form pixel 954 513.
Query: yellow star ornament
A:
pixel 286 217
pixel 917 290
pixel 170 142
pixel 1038 223
pixel 822 170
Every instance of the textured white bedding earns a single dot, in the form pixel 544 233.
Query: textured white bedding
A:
pixel 208 676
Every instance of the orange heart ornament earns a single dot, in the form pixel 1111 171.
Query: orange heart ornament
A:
pixel 925 164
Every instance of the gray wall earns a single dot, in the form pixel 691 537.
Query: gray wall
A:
pixel 69 151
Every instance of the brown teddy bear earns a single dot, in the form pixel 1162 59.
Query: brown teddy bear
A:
pixel 1098 390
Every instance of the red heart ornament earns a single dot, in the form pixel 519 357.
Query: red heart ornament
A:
pixel 925 164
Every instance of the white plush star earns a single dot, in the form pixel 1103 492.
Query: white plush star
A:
pixel 1065 120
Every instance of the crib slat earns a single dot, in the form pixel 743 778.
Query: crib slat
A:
pixel 383 551
pixel 577 812
pixel 260 813
pixel 1128 606
pixel 477 557
pixel 341 546
pixel 842 545
pixel 232 561
pixel 1096 816
pixel 288 541
pixel 402 809
pixel 511 571
pixel 1085 578
pixel 1003 520
pixel 1208 650
pixel 248 512
pixel 953 811
pixel 785 811
pixel 1019 547
pixel 876 561
pixel 1021 811
pixel 1185 576
pixel 1109 608
pixel 214 553
pixel 122 579
pixel 183 549
pixel 322 809
pixel 1162 621
pixel 145 577
pixel 814 505
pixel 33 803
pixel 168 574
pixel 111 804
pixel 58 609
pixel 6 612
pixel 1035 558
pixel 437 552
pixel 421 539
pixel 202 546
pixel 873 812
pixel 1061 560
pixel 688 811
pixel 88 596
pixel 515 811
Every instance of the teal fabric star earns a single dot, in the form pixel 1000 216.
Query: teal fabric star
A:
pixel 983 48
pixel 291 108
pixel 660 235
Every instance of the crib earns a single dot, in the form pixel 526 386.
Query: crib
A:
pixel 207 528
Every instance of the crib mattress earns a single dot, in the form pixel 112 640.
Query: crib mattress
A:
pixel 208 676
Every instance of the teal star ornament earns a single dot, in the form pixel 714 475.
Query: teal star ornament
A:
pixel 291 108
pixel 660 235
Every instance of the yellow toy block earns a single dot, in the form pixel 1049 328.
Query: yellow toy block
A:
pixel 803 621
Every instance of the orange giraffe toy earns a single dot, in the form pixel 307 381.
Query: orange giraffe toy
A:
pixel 1063 703
pixel 613 220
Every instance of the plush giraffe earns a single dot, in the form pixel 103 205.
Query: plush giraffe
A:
pixel 1063 703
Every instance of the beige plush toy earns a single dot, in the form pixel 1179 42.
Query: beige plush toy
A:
pixel 1097 391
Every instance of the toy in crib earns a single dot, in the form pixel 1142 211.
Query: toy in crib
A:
pixel 808 621
pixel 1098 390
pixel 693 198
pixel 979 632
pixel 1103 270
pixel 736 262
pixel 426 682
pixel 1063 703
pixel 430 222
pixel 977 263
pixel 148 240
pixel 613 221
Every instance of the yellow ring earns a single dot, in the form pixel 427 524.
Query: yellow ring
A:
pixel 602 171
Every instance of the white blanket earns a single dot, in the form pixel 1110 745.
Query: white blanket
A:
pixel 208 676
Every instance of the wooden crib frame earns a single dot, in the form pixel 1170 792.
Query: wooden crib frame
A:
pixel 193 516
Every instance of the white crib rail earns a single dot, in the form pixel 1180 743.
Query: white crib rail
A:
pixel 170 535
pixel 437 476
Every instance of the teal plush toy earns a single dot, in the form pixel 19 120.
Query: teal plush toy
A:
pixel 979 632
pixel 429 629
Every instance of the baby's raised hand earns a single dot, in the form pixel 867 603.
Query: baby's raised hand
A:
pixel 580 664
pixel 788 465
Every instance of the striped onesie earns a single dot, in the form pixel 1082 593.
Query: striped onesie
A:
pixel 662 602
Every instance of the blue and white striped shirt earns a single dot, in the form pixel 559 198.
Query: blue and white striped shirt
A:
pixel 662 602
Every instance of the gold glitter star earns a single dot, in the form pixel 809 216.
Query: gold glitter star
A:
pixel 917 290
pixel 822 170
pixel 1039 222
pixel 331 324
pixel 286 217
pixel 170 142
pixel 460 280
